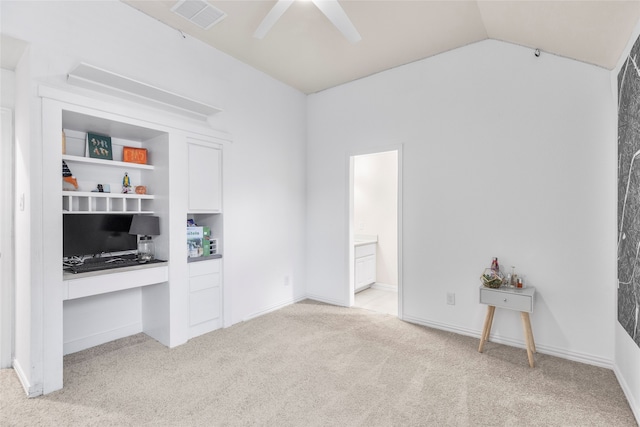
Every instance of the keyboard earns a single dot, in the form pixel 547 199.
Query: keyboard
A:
pixel 106 264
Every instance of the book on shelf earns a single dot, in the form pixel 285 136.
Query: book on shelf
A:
pixel 98 147
pixel 200 243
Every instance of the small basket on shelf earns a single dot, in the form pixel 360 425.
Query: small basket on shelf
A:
pixel 491 278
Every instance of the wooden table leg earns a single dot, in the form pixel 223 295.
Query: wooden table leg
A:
pixel 533 344
pixel 528 337
pixel 488 320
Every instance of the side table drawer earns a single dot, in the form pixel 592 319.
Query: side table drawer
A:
pixel 509 300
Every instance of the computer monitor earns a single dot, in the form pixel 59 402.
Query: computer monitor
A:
pixel 91 234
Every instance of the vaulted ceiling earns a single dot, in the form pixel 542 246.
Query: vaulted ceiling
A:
pixel 304 50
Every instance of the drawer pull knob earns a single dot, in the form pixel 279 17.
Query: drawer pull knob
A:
pixel 505 300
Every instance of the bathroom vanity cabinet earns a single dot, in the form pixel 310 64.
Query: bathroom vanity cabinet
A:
pixel 365 265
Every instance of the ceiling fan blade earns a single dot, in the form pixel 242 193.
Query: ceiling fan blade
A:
pixel 274 14
pixel 336 14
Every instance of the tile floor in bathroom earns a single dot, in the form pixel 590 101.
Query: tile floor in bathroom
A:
pixel 376 299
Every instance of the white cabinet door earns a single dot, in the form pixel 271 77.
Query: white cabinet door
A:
pixel 204 307
pixel 205 297
pixel 360 273
pixel 365 267
pixel 369 269
pixel 205 179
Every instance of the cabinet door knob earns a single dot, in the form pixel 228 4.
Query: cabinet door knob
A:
pixel 505 300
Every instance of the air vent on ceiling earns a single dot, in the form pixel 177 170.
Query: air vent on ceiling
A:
pixel 199 12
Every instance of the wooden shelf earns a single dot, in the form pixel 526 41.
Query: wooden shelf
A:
pixel 112 163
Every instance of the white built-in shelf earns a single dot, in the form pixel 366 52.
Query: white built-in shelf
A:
pixel 82 202
pixel 101 162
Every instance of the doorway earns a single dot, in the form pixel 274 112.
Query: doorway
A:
pixel 374 231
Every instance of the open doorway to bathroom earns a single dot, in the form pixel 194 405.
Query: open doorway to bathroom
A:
pixel 374 206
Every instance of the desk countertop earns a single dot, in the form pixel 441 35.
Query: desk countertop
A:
pixel 71 276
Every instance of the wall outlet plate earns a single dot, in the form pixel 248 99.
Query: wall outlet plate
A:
pixel 451 298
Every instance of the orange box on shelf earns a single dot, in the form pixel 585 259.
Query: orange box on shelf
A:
pixel 134 155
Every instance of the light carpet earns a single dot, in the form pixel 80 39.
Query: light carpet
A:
pixel 311 364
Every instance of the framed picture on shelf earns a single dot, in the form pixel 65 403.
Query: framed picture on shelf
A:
pixel 134 155
pixel 99 146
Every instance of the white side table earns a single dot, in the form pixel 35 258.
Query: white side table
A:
pixel 513 299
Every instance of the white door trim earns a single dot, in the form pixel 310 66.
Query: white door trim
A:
pixel 6 239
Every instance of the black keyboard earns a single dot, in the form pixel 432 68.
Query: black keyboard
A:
pixel 106 264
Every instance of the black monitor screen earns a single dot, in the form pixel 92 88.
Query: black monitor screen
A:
pixel 90 234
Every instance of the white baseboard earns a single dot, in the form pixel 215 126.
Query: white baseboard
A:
pixel 204 327
pixel 274 307
pixel 442 326
pixel 325 300
pixel 31 391
pixel 384 287
pixel 588 359
pixel 633 404
pixel 101 338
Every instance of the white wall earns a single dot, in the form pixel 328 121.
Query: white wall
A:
pixel 7 102
pixel 375 209
pixel 7 84
pixel 28 196
pixel 505 155
pixel 264 168
pixel 6 236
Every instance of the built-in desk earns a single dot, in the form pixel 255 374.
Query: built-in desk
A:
pixel 103 281
pixel 101 306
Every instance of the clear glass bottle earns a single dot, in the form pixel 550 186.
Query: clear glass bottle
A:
pixel 495 266
pixel 146 249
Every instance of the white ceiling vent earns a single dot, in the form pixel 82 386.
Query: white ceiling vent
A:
pixel 199 12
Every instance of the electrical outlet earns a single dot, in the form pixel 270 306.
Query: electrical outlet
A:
pixel 286 280
pixel 451 298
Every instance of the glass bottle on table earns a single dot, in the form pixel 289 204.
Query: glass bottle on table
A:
pixel 495 267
